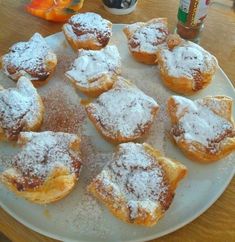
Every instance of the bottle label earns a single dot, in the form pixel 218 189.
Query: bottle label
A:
pixel 183 10
pixel 192 12
pixel 201 11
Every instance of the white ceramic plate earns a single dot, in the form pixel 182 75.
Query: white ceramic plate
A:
pixel 79 217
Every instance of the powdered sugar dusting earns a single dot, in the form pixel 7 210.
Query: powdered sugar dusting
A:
pixel 136 176
pixel 199 123
pixel 123 110
pixel 28 57
pixel 19 107
pixel 133 27
pixel 148 81
pixel 93 64
pixel 44 152
pixel 187 60
pixel 61 115
pixel 90 212
pixel 90 21
pixel 147 37
pixel 5 161
pixel 79 216
pixel 93 159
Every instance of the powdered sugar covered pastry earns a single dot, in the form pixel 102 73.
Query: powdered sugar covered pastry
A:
pixel 123 113
pixel 46 168
pixel 87 31
pixel 138 184
pixel 145 38
pixel 203 129
pixel 21 109
pixel 33 59
pixel 95 71
pixel 185 67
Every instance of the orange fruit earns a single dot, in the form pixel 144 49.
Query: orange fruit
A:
pixel 54 10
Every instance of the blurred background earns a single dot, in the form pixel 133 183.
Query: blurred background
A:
pixel 3 238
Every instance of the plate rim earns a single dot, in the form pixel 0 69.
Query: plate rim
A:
pixel 150 237
pixel 160 234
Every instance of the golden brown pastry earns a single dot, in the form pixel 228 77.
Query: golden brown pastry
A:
pixel 95 71
pixel 124 113
pixel 145 38
pixel 21 109
pixel 33 59
pixel 185 67
pixel 47 167
pixel 203 129
pixel 138 184
pixel 87 31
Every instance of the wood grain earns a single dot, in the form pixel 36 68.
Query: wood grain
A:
pixel 217 224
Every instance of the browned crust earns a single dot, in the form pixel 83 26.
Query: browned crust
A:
pixel 51 66
pixel 118 207
pixel 174 172
pixel 183 85
pixel 58 185
pixel 143 57
pixel 106 83
pixel 87 45
pixel 39 83
pixel 32 126
pixel 199 153
pixel 118 138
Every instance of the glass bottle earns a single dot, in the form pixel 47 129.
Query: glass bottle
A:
pixel 191 15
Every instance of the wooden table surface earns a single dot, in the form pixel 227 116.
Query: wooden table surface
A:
pixel 217 224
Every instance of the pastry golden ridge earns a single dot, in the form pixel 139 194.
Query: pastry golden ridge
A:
pixel 185 67
pixel 95 71
pixel 33 59
pixel 138 184
pixel 145 38
pixel 87 31
pixel 21 109
pixel 203 129
pixel 47 167
pixel 124 113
